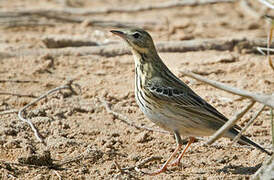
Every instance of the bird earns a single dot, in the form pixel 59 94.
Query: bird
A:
pixel 168 101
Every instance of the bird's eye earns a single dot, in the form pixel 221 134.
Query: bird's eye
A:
pixel 136 35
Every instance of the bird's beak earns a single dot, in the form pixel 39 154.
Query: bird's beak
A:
pixel 119 33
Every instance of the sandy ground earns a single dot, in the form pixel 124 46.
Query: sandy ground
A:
pixel 79 125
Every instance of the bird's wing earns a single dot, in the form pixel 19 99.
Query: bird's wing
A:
pixel 183 97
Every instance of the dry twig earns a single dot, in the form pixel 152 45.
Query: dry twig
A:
pixel 18 19
pixel 136 8
pixel 12 24
pixel 34 129
pixel 247 125
pixel 120 49
pixel 261 98
pixel 62 41
pixel 66 41
pixel 229 124
pixel 125 119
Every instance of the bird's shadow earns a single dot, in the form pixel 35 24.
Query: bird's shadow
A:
pixel 240 169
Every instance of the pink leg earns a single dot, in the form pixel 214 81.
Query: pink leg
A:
pixel 164 166
pixel 177 161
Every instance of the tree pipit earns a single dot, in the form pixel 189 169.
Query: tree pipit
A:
pixel 169 102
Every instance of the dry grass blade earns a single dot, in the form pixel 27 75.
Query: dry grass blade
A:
pixel 229 124
pixel 259 97
pixel 247 125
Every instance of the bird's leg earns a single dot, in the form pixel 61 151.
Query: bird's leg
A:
pixel 176 162
pixel 164 166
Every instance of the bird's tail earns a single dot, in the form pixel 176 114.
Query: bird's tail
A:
pixel 244 140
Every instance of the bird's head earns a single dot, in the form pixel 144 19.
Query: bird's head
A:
pixel 138 39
